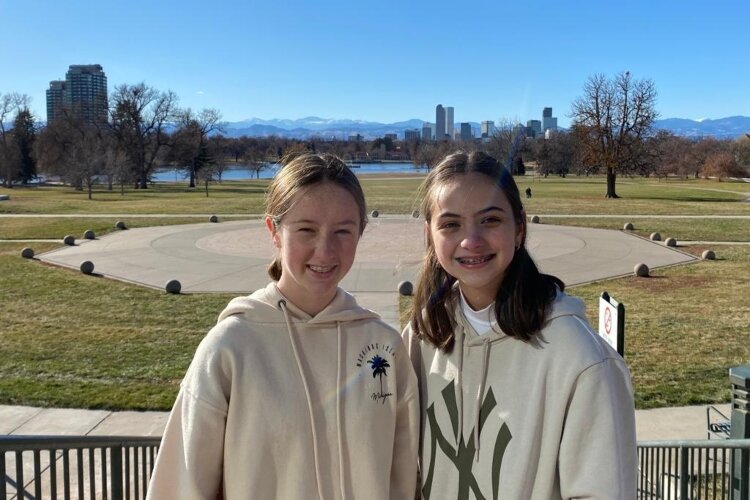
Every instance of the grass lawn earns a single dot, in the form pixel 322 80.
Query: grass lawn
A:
pixel 71 340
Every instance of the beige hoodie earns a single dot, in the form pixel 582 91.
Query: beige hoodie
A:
pixel 280 405
pixel 548 419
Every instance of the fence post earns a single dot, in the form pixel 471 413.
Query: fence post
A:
pixel 684 475
pixel 115 473
pixel 739 378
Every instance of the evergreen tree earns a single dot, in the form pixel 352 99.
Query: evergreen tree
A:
pixel 24 134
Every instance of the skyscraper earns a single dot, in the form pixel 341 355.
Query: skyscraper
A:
pixel 488 128
pixel 548 121
pixel 439 122
pixel 83 93
pixel 535 126
pixel 449 121
pixel 465 131
pixel 427 131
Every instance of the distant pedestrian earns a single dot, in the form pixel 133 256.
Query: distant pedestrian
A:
pixel 528 192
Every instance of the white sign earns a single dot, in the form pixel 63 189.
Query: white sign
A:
pixel 610 322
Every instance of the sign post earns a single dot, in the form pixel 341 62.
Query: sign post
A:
pixel 612 322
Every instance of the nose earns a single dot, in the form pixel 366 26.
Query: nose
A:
pixel 472 239
pixel 326 246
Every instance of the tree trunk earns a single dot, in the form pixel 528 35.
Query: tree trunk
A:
pixel 143 183
pixel 611 177
pixel 192 177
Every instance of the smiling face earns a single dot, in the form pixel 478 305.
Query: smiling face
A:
pixel 474 234
pixel 316 240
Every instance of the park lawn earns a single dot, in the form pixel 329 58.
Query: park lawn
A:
pixel 71 340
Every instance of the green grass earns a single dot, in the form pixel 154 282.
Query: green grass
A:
pixel 71 340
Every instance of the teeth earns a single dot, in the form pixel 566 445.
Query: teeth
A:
pixel 320 269
pixel 474 260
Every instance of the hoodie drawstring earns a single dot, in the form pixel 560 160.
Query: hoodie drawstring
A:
pixel 480 394
pixel 460 384
pixel 339 388
pixel 282 306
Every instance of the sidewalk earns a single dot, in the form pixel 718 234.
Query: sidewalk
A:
pixel 687 422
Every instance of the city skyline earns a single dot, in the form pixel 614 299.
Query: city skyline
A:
pixel 344 60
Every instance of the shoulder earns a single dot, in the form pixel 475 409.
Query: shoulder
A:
pixel 569 336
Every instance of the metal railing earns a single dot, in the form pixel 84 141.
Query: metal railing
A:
pixel 701 469
pixel 35 467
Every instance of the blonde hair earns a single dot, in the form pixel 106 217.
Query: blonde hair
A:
pixel 299 174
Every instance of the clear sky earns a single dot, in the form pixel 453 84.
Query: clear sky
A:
pixel 386 61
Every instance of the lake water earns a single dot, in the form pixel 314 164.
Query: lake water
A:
pixel 238 173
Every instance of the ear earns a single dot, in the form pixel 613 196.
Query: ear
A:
pixel 521 233
pixel 274 232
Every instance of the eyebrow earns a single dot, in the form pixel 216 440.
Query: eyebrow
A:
pixel 346 222
pixel 481 212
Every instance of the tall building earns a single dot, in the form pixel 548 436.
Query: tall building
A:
pixel 427 131
pixel 84 94
pixel 487 128
pixel 465 131
pixel 55 99
pixel 449 121
pixel 439 122
pixel 411 134
pixel 535 126
pixel 548 121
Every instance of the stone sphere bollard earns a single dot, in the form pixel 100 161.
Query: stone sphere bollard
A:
pixel 374 214
pixel 641 270
pixel 120 225
pixel 213 218
pixel 87 267
pixel 173 286
pixel 27 253
pixel 89 235
pixel 69 240
pixel 405 288
pixel 535 219
pixel 708 255
pixel 670 242
pixel 415 214
pixel 655 237
pixel 628 226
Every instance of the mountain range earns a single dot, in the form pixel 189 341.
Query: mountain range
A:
pixel 313 126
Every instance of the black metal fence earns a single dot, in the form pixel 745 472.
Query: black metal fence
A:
pixel 36 467
pixel 707 469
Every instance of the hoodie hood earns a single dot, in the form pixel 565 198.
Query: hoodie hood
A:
pixel 263 306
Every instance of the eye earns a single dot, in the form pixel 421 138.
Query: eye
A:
pixel 305 230
pixel 344 231
pixel 492 219
pixel 448 225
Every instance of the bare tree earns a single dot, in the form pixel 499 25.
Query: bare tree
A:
pixel 506 143
pixel 191 139
pixel 611 120
pixel 140 115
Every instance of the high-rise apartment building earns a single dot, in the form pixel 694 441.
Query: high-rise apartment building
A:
pixel 427 131
pixel 439 122
pixel 83 93
pixel 449 121
pixel 411 134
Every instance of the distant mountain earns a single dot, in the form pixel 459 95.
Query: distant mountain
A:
pixel 721 128
pixel 313 126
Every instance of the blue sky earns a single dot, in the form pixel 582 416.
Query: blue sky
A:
pixel 386 61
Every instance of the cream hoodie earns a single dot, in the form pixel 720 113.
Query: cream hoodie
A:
pixel 544 420
pixel 280 405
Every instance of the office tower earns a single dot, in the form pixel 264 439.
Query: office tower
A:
pixel 439 122
pixel 393 137
pixel 427 131
pixel 548 121
pixel 83 93
pixel 535 126
pixel 488 128
pixel 55 99
pixel 449 121
pixel 411 134
pixel 465 131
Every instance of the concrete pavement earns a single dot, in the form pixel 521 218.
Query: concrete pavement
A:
pixel 232 256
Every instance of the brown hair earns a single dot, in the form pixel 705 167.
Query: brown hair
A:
pixel 296 176
pixel 525 295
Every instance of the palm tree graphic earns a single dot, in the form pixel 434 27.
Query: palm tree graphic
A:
pixel 378 369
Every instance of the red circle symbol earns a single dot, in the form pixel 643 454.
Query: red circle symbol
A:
pixel 608 320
